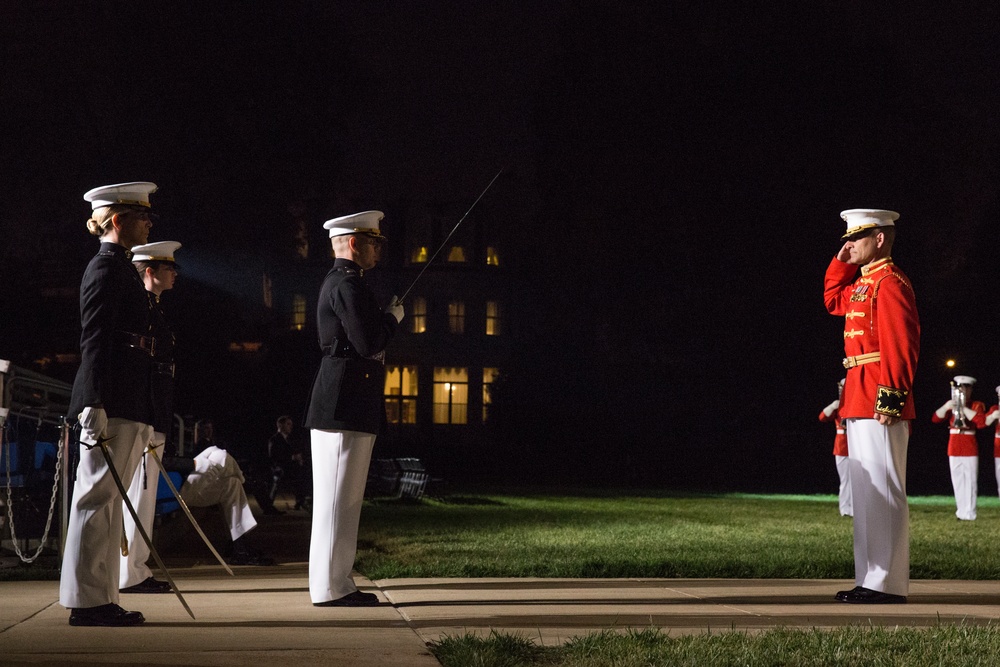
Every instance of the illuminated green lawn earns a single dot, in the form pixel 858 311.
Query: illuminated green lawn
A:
pixel 945 646
pixel 730 536
pixel 693 536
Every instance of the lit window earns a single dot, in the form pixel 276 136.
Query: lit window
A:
pixel 456 254
pixel 419 255
pixel 492 318
pixel 451 395
pixel 401 394
pixel 492 256
pixel 489 375
pixel 298 312
pixel 418 316
pixel 456 317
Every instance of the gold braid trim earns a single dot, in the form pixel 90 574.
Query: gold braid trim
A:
pixel 890 401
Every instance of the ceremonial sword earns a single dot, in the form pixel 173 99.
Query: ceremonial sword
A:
pixel 183 505
pixel 102 442
pixel 436 252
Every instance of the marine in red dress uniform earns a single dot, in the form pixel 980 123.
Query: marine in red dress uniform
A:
pixel 963 450
pixel 994 416
pixel 831 413
pixel 881 343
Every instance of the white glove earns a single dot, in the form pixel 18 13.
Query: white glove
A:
pixel 992 417
pixel 969 413
pixel 828 410
pixel 395 307
pixel 943 410
pixel 210 472
pixel 93 421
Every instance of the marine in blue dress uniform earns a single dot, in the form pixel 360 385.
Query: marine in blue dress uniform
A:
pixel 156 265
pixel 113 396
pixel 346 408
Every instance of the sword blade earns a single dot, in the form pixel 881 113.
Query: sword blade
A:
pixel 448 238
pixel 103 444
pixel 187 511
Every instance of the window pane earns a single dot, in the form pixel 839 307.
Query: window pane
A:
pixel 492 318
pixel 489 375
pixel 451 395
pixel 419 255
pixel 456 317
pixel 418 317
pixel 298 312
pixel 456 254
pixel 400 390
pixel 492 257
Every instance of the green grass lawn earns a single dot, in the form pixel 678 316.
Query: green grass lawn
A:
pixel 729 536
pixel 945 646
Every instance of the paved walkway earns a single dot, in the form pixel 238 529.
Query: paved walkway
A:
pixel 262 616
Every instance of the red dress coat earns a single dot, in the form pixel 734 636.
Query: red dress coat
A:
pixel 880 315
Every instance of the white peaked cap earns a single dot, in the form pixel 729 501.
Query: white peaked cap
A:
pixel 161 251
pixel 134 194
pixel 859 219
pixel 365 222
pixel 965 379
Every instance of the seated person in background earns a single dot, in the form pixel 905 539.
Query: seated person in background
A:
pixel 218 480
pixel 287 462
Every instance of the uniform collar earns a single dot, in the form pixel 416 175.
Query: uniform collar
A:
pixel 876 266
pixel 115 249
pixel 342 262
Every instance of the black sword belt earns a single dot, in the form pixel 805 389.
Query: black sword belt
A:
pixel 145 343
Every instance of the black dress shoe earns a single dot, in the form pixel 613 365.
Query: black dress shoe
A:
pixel 107 615
pixel 148 585
pixel 868 596
pixel 355 599
pixel 842 595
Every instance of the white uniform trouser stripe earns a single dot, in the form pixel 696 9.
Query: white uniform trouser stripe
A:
pixel 964 478
pixel 92 552
pixel 340 471
pixel 881 513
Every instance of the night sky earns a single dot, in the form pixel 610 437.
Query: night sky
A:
pixel 674 171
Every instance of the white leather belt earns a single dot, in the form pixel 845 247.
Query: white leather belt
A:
pixel 953 431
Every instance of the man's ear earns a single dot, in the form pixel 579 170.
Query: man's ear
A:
pixel 880 239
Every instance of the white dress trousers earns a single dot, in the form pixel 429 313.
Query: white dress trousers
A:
pixel 844 472
pixel 92 551
pixel 142 494
pixel 881 513
pixel 218 480
pixel 340 462
pixel 964 478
